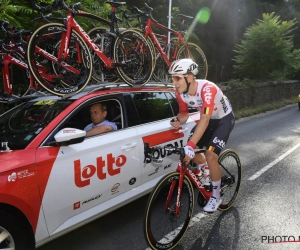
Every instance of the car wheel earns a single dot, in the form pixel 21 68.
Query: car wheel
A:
pixel 299 105
pixel 12 234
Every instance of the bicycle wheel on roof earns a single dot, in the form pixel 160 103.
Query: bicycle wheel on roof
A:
pixel 133 58
pixel 59 76
pixel 102 39
pixel 193 51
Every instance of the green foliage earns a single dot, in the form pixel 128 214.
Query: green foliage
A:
pixel 268 50
pixel 236 83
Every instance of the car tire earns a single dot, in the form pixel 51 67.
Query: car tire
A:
pixel 15 232
pixel 299 105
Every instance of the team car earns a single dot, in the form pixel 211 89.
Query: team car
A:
pixel 54 179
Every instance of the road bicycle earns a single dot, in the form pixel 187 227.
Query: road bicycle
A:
pixel 177 49
pixel 170 205
pixel 130 55
pixel 12 51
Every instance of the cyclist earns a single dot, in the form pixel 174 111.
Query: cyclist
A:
pixel 215 124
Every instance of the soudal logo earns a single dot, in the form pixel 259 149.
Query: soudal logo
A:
pixel 207 94
pixel 224 106
pixel 160 153
pixel 219 142
pixel 112 166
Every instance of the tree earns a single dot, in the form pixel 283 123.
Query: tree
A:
pixel 267 50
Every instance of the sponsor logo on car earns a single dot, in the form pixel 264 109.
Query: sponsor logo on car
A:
pixel 69 131
pixel 112 165
pixel 115 188
pixel 12 177
pixel 160 153
pixel 132 181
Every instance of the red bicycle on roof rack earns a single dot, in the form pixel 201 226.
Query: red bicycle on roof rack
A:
pixel 64 50
pixel 165 54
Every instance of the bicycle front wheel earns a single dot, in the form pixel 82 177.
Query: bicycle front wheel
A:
pixel 133 58
pixel 231 178
pixel 162 227
pixel 193 51
pixel 59 76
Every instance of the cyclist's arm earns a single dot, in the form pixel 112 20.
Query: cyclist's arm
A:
pixel 183 114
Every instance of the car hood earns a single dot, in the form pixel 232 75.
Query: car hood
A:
pixel 16 159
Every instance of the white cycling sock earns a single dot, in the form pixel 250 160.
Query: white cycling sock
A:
pixel 216 186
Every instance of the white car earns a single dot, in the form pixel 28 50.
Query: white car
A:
pixel 54 179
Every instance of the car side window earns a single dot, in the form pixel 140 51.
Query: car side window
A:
pixel 152 106
pixel 81 117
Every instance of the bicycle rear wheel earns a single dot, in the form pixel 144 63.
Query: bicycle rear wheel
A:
pixel 100 73
pixel 163 229
pixel 133 58
pixel 59 77
pixel 194 52
pixel 231 178
pixel 161 68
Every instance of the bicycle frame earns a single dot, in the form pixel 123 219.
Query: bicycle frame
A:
pixel 184 170
pixel 8 60
pixel 73 25
pixel 149 32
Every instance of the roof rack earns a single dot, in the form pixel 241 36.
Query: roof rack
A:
pixel 102 86
pixel 108 85
pixel 13 98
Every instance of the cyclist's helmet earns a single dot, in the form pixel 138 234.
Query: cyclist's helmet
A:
pixel 183 66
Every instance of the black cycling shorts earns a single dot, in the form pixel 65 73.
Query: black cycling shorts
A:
pixel 217 133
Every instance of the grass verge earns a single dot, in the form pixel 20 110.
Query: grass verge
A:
pixel 245 112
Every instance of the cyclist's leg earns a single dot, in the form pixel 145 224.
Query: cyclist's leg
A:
pixel 199 160
pixel 216 143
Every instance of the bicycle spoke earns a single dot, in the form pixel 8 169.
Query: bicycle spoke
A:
pixel 231 178
pixel 194 52
pixel 164 229
pixel 56 75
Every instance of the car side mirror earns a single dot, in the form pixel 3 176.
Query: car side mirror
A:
pixel 68 136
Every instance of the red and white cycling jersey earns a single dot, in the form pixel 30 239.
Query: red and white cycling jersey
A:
pixel 208 99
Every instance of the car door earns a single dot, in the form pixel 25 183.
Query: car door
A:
pixel 153 126
pixel 89 178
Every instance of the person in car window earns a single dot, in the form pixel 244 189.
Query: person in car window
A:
pixel 99 125
pixel 214 127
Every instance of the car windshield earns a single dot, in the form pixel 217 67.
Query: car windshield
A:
pixel 20 125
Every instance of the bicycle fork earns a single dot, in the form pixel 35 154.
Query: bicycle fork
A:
pixel 175 210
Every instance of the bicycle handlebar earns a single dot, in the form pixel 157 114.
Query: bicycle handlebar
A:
pixel 57 3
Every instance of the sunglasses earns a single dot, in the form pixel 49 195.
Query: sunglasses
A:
pixel 177 78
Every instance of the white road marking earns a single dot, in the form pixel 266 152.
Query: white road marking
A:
pixel 193 221
pixel 264 169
